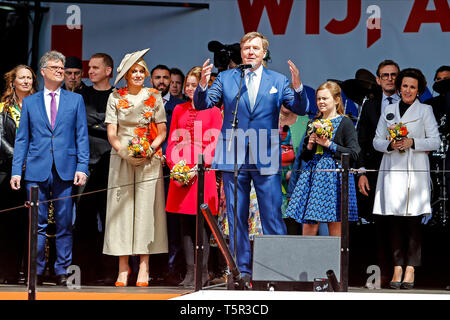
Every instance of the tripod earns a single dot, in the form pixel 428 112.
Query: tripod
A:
pixel 439 205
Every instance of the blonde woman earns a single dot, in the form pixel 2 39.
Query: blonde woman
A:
pixel 316 197
pixel 135 217
pixel 20 82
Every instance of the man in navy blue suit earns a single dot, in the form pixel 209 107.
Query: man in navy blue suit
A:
pixel 52 142
pixel 258 146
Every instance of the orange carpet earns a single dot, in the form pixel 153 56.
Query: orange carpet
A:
pixel 88 296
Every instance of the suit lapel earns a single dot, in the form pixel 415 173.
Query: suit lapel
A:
pixel 244 91
pixel 263 87
pixel 62 103
pixel 378 105
pixel 43 110
pixel 410 113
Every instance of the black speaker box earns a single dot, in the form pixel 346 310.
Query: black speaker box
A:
pixel 284 262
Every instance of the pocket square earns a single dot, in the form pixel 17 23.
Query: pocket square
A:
pixel 273 90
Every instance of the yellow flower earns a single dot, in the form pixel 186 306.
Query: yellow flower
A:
pixel 392 134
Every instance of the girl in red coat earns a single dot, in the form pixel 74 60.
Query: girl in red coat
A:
pixel 192 132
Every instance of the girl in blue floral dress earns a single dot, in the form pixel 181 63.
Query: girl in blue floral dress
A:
pixel 316 197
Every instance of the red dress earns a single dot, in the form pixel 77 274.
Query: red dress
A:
pixel 192 132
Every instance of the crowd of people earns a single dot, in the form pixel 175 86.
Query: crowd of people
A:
pixel 110 152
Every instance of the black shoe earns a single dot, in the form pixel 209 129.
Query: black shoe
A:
pixel 172 279
pixel 39 280
pixel 22 279
pixel 247 281
pixel 61 280
pixel 407 285
pixel 395 284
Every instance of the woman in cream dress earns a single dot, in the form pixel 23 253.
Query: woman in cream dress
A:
pixel 135 218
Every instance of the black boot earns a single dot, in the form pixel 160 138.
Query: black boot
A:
pixel 188 280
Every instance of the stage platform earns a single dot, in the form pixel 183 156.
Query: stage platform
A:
pixel 52 292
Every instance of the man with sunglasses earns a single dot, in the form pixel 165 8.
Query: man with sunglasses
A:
pixel 73 73
pixel 369 158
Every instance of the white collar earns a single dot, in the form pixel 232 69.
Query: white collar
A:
pixel 167 96
pixel 395 97
pixel 47 91
pixel 258 72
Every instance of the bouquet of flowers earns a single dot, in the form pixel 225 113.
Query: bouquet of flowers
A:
pixel 182 174
pixel 323 129
pixel 139 147
pixel 397 131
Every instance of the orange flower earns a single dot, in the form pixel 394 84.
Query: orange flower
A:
pixel 150 102
pixel 148 114
pixel 153 90
pixel 403 131
pixel 140 132
pixel 123 91
pixel 153 131
pixel 186 169
pixel 123 104
pixel 146 145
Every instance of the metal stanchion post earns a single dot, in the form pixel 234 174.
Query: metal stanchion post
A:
pixel 235 280
pixel 32 242
pixel 200 224
pixel 345 160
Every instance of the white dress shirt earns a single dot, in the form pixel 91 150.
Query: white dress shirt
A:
pixel 256 78
pixel 385 102
pixel 166 98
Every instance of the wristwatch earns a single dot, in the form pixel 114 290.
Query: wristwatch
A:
pixel 153 149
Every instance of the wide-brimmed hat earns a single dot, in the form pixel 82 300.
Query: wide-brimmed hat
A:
pixel 363 86
pixel 128 61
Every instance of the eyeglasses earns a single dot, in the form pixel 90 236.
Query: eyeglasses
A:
pixel 385 76
pixel 55 68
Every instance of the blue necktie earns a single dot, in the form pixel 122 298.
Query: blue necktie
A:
pixel 389 99
pixel 251 89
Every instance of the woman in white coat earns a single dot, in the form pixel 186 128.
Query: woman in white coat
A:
pixel 403 187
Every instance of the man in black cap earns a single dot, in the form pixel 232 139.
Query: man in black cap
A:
pixel 438 102
pixel 73 72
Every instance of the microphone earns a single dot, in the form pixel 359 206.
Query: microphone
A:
pixel 245 66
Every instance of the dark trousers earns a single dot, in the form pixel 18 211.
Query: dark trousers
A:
pixel 406 237
pixel 268 192
pixel 13 230
pixel 189 235
pixel 175 255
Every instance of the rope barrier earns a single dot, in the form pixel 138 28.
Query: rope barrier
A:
pixel 338 170
pixel 27 203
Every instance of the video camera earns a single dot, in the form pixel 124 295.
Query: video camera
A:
pixel 224 53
